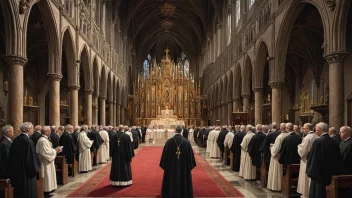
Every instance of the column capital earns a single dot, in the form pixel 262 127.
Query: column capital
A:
pixel 88 91
pixel 246 95
pixel 258 89
pixel 229 102
pixel 55 77
pixel 95 94
pixel 236 99
pixel 335 57
pixel 13 59
pixel 73 87
pixel 102 97
pixel 276 85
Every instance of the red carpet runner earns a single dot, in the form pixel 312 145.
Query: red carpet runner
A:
pixel 147 179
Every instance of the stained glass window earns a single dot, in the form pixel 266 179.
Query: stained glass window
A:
pixel 186 68
pixel 145 68
pixel 238 10
pixel 228 29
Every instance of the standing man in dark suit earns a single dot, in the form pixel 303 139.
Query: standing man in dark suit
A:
pixel 36 135
pixel 333 134
pixel 54 137
pixel 185 132
pixel 5 144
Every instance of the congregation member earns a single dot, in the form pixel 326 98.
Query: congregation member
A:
pixel 128 132
pixel 268 141
pixel 333 134
pixel 47 155
pixel 228 141
pixel 177 161
pixel 297 130
pixel 111 131
pixel 135 136
pixel 75 140
pixel 84 145
pixel 210 142
pixel 184 132
pixel 103 151
pixel 221 139
pixel 247 170
pixel 54 136
pixel 303 151
pixel 254 146
pixel 122 154
pixel 326 150
pixel 236 148
pixel 36 134
pixel 24 163
pixel 191 134
pixel 275 168
pixel 95 136
pixel 5 144
pixel 200 137
pixel 346 150
pixel 69 146
pixel 213 137
pixel 288 152
pixel 144 132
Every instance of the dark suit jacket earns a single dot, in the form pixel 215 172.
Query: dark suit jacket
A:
pixel 5 145
pixel 337 138
pixel 185 133
pixel 35 137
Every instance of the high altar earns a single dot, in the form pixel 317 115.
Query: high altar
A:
pixel 165 95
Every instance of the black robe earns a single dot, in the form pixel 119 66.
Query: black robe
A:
pixel 177 179
pixel 196 130
pixel 69 149
pixel 111 133
pixel 135 134
pixel 144 132
pixel 54 139
pixel 236 149
pixel 324 161
pixel 289 150
pixel 221 139
pixel 95 136
pixel 75 138
pixel 122 155
pixel 253 148
pixel 336 138
pixel 35 137
pixel 24 165
pixel 185 133
pixel 346 154
pixel 5 145
pixel 265 147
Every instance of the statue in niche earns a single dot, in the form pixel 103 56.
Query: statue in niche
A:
pixel 167 95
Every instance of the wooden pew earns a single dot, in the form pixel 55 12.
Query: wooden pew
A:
pixel 289 179
pixel 338 182
pixel 61 169
pixel 40 184
pixel 74 167
pixel 264 173
pixel 6 190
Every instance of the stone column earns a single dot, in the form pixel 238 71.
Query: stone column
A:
pixel 114 121
pixel 229 112
pixel 15 87
pixel 224 114
pixel 41 103
pixel 111 113
pixel 276 104
pixel 258 106
pixel 54 103
pixel 236 105
pixel 336 89
pixel 95 109
pixel 122 115
pixel 102 110
pixel 89 107
pixel 246 102
pixel 73 105
pixel 118 119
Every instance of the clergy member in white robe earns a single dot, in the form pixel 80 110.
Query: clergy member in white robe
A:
pixel 303 150
pixel 191 135
pixel 275 168
pixel 84 144
pixel 129 133
pixel 210 140
pixel 229 138
pixel 47 155
pixel 103 150
pixel 248 170
pixel 149 134
pixel 215 150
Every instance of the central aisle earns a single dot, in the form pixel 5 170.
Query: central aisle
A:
pixel 147 179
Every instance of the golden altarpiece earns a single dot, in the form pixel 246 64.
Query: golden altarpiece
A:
pixel 165 86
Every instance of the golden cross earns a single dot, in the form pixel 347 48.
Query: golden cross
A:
pixel 167 51
pixel 178 152
pixel 118 142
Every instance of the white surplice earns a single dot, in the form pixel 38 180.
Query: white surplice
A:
pixel 191 135
pixel 85 158
pixel 47 155
pixel 103 150
pixel 129 133
pixel 275 168
pixel 303 150
pixel 229 139
pixel 215 150
pixel 248 170
pixel 210 141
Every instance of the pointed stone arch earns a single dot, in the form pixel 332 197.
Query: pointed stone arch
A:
pixel 246 76
pixel 103 82
pixel 230 86
pixel 96 75
pixel 261 58
pixel 68 48
pixel 12 26
pixel 85 65
pixel 237 82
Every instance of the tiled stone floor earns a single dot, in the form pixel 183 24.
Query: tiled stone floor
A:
pixel 249 189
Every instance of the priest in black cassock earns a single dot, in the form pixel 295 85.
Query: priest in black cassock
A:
pixel 5 144
pixel 36 134
pixel 122 154
pixel 268 140
pixel 25 163
pixel 236 148
pixel 69 146
pixel 54 137
pixel 111 133
pixel 185 132
pixel 95 136
pixel 346 150
pixel 135 135
pixel 177 161
pixel 221 139
pixel 324 161
pixel 254 146
pixel 75 140
pixel 289 147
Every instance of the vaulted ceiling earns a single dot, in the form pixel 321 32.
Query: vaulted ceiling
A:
pixel 180 25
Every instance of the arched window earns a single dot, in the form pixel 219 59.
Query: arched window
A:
pixel 251 2
pixel 229 28
pixel 146 66
pixel 238 11
pixel 186 68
